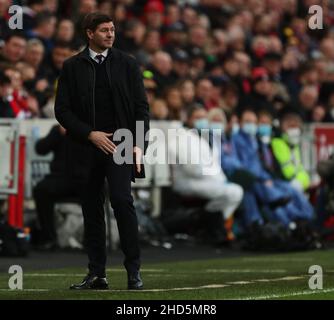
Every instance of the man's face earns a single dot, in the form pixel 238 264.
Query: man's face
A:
pixel 197 115
pixel 15 49
pixel 34 55
pixel 249 117
pixel 103 37
pixel 59 55
pixel 291 123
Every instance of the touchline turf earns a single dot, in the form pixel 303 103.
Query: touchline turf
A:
pixel 274 276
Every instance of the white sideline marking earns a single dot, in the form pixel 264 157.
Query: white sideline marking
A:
pixel 246 270
pixel 209 286
pixel 278 259
pixel 27 290
pixel 142 270
pixel 292 294
pixel 54 275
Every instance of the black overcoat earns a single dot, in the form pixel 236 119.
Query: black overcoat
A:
pixel 75 110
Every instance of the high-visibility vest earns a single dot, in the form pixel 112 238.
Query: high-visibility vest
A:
pixel 289 160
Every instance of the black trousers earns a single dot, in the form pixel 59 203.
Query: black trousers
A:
pixel 46 193
pixel 92 199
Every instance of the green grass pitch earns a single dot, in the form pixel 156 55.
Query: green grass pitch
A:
pixel 274 276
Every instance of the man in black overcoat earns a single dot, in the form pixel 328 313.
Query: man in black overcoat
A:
pixel 100 90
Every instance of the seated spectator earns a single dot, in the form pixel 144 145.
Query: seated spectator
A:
pixel 173 99
pixel 53 187
pixel 197 171
pixel 159 110
pixel 23 103
pixel 307 101
pixel 279 201
pixel 14 48
pixel 187 89
pixel 286 149
pixel 162 70
pixel 6 110
pixel 261 93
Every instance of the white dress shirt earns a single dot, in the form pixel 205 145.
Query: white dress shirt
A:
pixel 93 54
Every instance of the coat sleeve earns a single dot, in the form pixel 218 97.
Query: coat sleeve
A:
pixel 63 109
pixel 141 106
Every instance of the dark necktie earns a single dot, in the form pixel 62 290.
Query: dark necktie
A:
pixel 99 58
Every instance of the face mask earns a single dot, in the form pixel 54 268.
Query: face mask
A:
pixel 265 139
pixel 201 124
pixel 293 136
pixel 264 130
pixel 235 128
pixel 250 128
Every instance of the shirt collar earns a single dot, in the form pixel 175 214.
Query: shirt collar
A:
pixel 93 54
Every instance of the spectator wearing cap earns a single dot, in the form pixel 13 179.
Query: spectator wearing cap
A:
pixel 174 37
pixel 14 48
pixel 181 67
pixel 198 62
pixel 154 14
pixel 262 90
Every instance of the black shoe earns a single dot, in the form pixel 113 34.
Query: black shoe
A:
pixel 91 282
pixel 134 281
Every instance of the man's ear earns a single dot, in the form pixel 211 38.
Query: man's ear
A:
pixel 89 34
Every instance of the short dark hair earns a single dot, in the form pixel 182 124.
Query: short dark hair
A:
pixel 93 20
pixel 15 34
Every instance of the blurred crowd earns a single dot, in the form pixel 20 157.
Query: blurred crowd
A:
pixel 223 54
pixel 252 68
